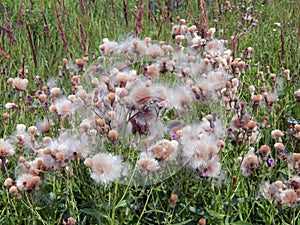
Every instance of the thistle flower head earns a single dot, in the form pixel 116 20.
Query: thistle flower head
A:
pixel 28 182
pixel 147 163
pixel 6 149
pixel 214 48
pixel 19 84
pixel 289 197
pixel 105 167
pixel 250 163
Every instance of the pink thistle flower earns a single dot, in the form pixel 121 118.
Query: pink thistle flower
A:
pixel 295 182
pixel 19 84
pixel 28 182
pixel 249 163
pixel 147 163
pixel 164 149
pixel 289 197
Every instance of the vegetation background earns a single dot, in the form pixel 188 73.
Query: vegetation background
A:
pixel 37 35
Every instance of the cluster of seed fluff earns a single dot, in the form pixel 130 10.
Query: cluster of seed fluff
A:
pixel 286 193
pixel 122 99
pixel 201 145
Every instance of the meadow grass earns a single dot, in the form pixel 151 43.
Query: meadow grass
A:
pixel 37 36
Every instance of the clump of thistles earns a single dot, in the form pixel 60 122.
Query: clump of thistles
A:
pixel 201 145
pixel 285 192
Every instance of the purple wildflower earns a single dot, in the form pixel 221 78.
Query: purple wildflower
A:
pixel 173 136
pixel 271 161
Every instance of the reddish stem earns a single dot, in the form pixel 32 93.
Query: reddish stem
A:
pixel 125 12
pixel 203 17
pixel 20 22
pixel 62 31
pixel 31 45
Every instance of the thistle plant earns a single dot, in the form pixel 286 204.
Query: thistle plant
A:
pixel 167 119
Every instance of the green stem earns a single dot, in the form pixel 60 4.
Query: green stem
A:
pixel 114 203
pixel 144 209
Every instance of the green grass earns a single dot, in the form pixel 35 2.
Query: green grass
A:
pixel 71 192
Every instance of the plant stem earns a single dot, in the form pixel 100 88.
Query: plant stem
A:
pixel 114 203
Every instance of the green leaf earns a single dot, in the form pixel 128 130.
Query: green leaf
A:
pixel 242 223
pixel 192 209
pixel 184 222
pixel 215 214
pixel 121 204
pixel 90 212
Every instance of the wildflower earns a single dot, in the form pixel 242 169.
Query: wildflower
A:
pixel 139 47
pixel 179 30
pixel 289 197
pixel 264 151
pixel 43 126
pixel 11 105
pixel 173 200
pixel 19 84
pixel 122 79
pixel 80 64
pixel 105 167
pixel 249 52
pixel 295 182
pixel 277 134
pixel 214 48
pixel 251 125
pixel 270 191
pixel 147 163
pixel 294 161
pixel 55 91
pixel 249 163
pixel 13 190
pixel 211 168
pixel 256 101
pixel 180 97
pixel 28 182
pixel 6 149
pixel 152 71
pixel 297 95
pixel 154 51
pixel 84 126
pixel 111 97
pixel 271 161
pixel 8 182
pixel 63 106
pixel 173 136
pixel 202 221
pixel 164 149
pixel 279 147
pixel 173 126
pixel 108 46
pixel 70 221
pixel 112 134
pixel 140 96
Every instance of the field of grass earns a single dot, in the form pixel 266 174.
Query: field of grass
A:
pixel 150 112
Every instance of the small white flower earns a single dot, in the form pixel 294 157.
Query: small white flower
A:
pixel 277 24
